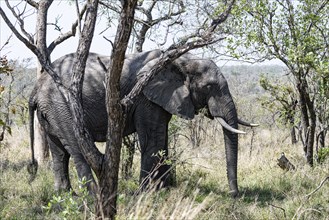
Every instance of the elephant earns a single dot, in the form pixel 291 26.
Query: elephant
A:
pixel 183 88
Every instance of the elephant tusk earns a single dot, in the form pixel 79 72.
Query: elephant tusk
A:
pixel 247 123
pixel 229 127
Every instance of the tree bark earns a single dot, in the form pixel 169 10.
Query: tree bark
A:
pixel 41 145
pixel 308 117
pixel 108 181
pixel 293 135
pixel 129 143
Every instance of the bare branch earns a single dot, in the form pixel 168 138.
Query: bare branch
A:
pixel 33 3
pixel 42 59
pixel 20 21
pixel 221 18
pixel 176 51
pixel 111 7
pixel 6 43
pixel 68 34
pixel 278 207
pixel 149 22
pixel 29 44
pixel 78 15
pixel 321 184
pixel 57 27
pixel 93 156
pixel 109 41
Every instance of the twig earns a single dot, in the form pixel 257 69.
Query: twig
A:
pixel 109 41
pixel 278 207
pixel 251 141
pixel 309 195
pixel 20 21
pixel 102 64
pixel 68 34
pixel 79 20
pixel 6 43
pixel 321 184
pixel 33 3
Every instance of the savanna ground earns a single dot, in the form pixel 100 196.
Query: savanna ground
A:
pixel 267 192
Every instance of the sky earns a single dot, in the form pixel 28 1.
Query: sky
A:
pixel 67 15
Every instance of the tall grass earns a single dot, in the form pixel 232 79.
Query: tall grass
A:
pixel 266 191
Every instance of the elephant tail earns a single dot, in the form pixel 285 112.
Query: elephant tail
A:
pixel 32 167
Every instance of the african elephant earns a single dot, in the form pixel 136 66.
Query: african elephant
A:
pixel 183 88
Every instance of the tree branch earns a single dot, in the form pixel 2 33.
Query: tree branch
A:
pixel 68 34
pixel 149 22
pixel 324 3
pixel 27 43
pixel 20 21
pixel 113 8
pixel 78 15
pixel 41 29
pixel 110 169
pixel 175 51
pixel 33 3
pixel 321 184
pixel 93 156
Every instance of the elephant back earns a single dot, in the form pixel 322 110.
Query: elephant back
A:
pixel 132 66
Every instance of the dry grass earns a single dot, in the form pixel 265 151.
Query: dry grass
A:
pixel 267 192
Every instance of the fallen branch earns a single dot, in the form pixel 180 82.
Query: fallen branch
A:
pixel 278 207
pixel 321 184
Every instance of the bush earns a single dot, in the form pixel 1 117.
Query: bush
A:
pixel 323 154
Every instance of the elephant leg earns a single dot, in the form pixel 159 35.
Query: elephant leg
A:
pixel 60 158
pixel 83 169
pixel 152 127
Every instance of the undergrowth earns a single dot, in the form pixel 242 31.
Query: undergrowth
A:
pixel 201 192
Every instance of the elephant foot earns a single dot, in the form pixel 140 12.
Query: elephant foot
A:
pixel 156 181
pixel 62 186
pixel 235 193
pixel 91 187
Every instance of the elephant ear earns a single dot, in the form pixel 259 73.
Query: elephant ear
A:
pixel 169 89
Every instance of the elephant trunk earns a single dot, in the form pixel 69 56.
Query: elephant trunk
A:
pixel 225 108
pixel 231 148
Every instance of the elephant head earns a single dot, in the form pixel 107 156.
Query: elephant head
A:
pixel 189 84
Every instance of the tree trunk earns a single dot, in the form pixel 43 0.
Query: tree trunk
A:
pixel 108 183
pixel 41 145
pixel 308 117
pixel 293 136
pixel 129 143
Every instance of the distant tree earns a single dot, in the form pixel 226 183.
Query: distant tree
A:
pixel 282 100
pixel 296 33
pixel 5 69
pixel 15 86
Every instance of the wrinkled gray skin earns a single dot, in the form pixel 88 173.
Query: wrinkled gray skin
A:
pixel 183 88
